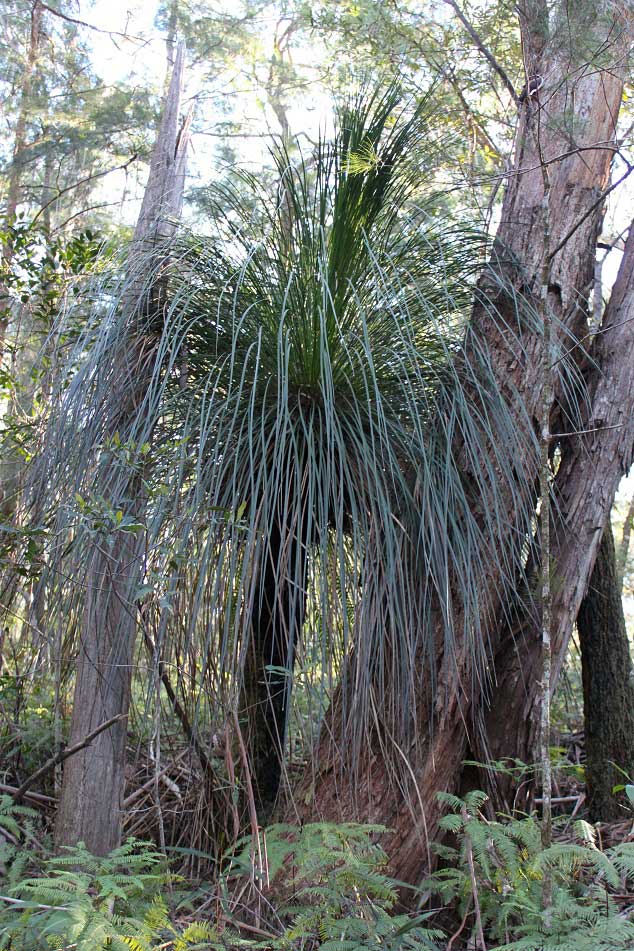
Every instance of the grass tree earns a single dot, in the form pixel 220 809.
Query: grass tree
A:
pixel 559 51
pixel 315 434
pixel 325 384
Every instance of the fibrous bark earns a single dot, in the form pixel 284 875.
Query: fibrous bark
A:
pixel 279 607
pixel 608 686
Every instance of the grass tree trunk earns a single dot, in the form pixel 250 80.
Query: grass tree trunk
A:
pixel 592 464
pixel 577 177
pixel 279 608
pixel 608 685
pixel 93 779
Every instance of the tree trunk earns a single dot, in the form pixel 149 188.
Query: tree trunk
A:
pixel 624 546
pixel 608 686
pixel 93 780
pixel 546 134
pixel 279 608
pixel 19 144
pixel 591 467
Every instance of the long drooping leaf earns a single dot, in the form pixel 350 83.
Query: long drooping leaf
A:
pixel 309 372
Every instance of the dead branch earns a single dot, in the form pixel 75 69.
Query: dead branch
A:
pixel 486 52
pixel 64 754
pixel 91 26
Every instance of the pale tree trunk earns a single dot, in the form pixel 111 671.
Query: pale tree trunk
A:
pixel 12 463
pixel 624 545
pixel 19 144
pixel 93 780
pixel 545 134
pixel 591 467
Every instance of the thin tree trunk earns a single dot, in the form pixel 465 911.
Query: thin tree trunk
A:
pixel 577 179
pixel 93 780
pixel 624 547
pixel 19 144
pixel 608 685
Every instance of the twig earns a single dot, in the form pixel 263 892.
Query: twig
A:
pixel 91 26
pixel 585 432
pixel 474 884
pixel 581 798
pixel 253 929
pixel 129 800
pixel 83 181
pixel 30 904
pixel 462 924
pixel 179 710
pixel 64 754
pixel 231 772
pixel 625 541
pixel 253 814
pixel 559 799
pixel 486 52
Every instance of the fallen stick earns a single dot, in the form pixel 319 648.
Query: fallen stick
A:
pixel 127 802
pixel 32 904
pixel 38 798
pixel 559 799
pixel 64 754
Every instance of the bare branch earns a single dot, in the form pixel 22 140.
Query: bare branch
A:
pixel 604 194
pixel 38 799
pixel 64 754
pixel 83 181
pixel 486 52
pixel 91 26
pixel 21 903
pixel 625 541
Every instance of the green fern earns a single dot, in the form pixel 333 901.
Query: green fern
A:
pixel 91 903
pixel 509 863
pixel 88 901
pixel 331 889
pixel 16 829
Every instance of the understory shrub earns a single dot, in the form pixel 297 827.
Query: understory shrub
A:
pixel 505 882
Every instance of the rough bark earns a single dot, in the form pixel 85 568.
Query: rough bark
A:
pixel 93 780
pixel 591 467
pixel 608 685
pixel 545 134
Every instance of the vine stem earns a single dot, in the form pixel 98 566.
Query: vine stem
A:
pixel 474 883
pixel 545 478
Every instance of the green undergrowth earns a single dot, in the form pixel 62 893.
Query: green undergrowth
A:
pixel 323 886
pixel 495 870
